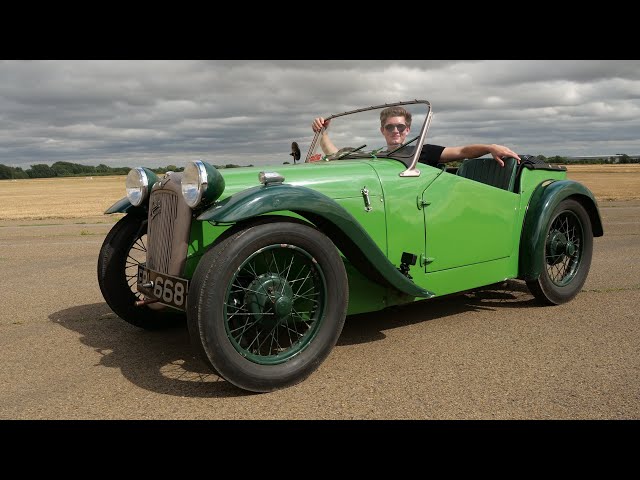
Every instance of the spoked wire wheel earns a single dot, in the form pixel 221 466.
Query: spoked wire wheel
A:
pixel 563 249
pixel 267 303
pixel 568 247
pixel 124 248
pixel 274 304
pixel 136 256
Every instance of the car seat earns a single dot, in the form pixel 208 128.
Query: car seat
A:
pixel 488 171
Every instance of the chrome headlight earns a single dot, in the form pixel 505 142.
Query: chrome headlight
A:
pixel 201 183
pixel 139 183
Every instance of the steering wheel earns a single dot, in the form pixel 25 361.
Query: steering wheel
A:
pixel 402 145
pixel 344 152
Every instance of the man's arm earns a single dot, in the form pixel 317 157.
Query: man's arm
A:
pixel 327 145
pixel 450 154
pixel 325 142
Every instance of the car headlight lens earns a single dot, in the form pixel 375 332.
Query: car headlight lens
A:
pixel 201 183
pixel 139 183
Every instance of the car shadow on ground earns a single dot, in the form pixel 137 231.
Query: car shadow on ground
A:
pixel 165 362
pixel 161 361
pixel 369 327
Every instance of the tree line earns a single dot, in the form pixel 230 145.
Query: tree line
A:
pixel 69 169
pixel 620 158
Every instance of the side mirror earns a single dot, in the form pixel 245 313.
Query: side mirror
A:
pixel 295 152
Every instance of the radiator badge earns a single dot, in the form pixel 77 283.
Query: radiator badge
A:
pixel 155 208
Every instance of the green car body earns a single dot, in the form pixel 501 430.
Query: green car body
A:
pixel 404 232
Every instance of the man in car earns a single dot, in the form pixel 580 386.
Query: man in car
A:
pixel 395 125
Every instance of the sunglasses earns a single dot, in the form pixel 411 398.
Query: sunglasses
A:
pixel 390 127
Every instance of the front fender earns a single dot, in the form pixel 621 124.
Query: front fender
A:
pixel 329 216
pixel 542 204
pixel 124 206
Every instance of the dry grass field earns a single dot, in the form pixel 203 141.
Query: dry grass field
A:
pixel 609 182
pixel 89 197
pixel 59 198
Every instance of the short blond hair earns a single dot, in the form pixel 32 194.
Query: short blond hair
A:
pixel 394 112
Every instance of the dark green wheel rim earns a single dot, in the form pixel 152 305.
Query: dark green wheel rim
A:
pixel 563 250
pixel 274 304
pixel 137 255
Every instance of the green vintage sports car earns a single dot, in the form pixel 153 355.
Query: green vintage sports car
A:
pixel 266 263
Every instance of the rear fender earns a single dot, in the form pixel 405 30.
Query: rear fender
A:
pixel 543 202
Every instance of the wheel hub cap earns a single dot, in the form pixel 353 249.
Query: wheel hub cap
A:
pixel 283 307
pixel 269 298
pixel 556 247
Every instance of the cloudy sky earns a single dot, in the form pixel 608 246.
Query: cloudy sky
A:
pixel 155 113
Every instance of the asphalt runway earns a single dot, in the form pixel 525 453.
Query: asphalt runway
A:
pixel 494 354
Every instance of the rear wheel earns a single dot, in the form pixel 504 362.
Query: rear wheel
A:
pixel 567 255
pixel 267 304
pixel 123 249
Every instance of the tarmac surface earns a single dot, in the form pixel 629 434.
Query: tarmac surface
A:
pixel 494 354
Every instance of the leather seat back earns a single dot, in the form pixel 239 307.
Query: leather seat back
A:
pixel 487 170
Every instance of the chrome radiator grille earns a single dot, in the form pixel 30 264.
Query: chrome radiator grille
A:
pixel 163 209
pixel 169 226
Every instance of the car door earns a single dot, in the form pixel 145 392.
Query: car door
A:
pixel 467 223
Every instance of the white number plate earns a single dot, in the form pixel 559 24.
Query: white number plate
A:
pixel 165 288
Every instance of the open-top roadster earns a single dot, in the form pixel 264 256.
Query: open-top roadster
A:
pixel 267 262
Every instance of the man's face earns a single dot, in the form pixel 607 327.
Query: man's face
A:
pixel 391 130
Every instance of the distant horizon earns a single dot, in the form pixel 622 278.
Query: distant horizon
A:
pixel 577 157
pixel 568 157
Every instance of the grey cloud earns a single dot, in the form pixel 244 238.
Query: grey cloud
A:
pixel 161 112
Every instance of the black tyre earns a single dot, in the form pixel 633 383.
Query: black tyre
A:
pixel 267 304
pixel 123 249
pixel 567 255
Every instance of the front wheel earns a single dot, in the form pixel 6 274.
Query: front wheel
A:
pixel 267 304
pixel 123 249
pixel 567 255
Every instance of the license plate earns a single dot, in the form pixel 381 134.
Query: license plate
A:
pixel 167 289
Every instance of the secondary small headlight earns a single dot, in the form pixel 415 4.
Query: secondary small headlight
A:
pixel 201 183
pixel 139 183
pixel 267 178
